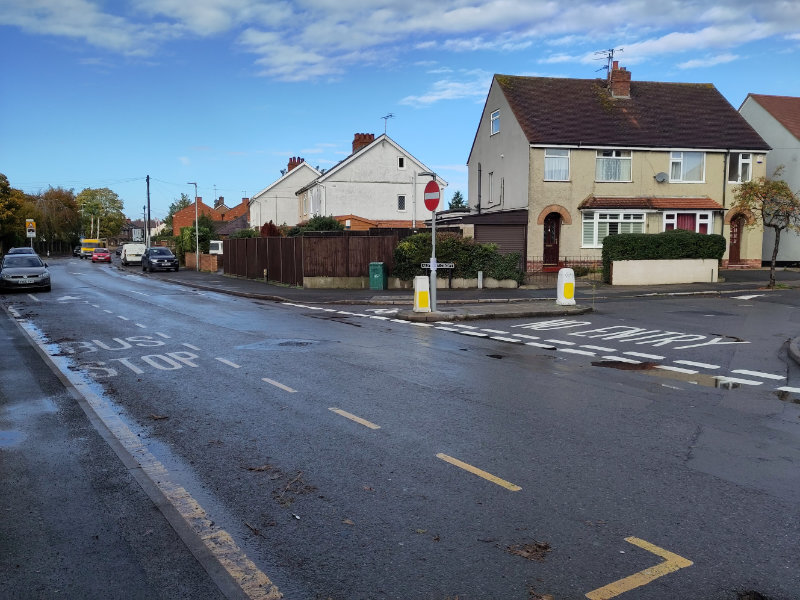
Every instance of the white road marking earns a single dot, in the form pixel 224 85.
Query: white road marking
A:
pixel 506 339
pixel 691 363
pixel 757 374
pixel 538 345
pixel 379 317
pixel 623 359
pixel 527 337
pixel 398 321
pixel 190 346
pixel 794 390
pixel 279 385
pixel 344 312
pixel 466 326
pixel 576 351
pixel 163 335
pixel 599 348
pixel 443 328
pixel 421 324
pixel 496 331
pixel 123 318
pixel 96 305
pixel 32 297
pixel 229 363
pixel 474 333
pixel 747 297
pixel 724 379
pixel 676 369
pixel 105 310
pixel 138 292
pixel 561 342
pixel 642 355
pixel 142 326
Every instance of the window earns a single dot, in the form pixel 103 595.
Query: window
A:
pixel 556 164
pixel 401 162
pixel 597 225
pixel 401 203
pixel 495 126
pixel 698 222
pixel 491 187
pixel 687 167
pixel 613 165
pixel 739 169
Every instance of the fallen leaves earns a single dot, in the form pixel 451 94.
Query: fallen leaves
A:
pixel 533 551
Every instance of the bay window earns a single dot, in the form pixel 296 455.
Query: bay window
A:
pixel 599 224
pixel 696 221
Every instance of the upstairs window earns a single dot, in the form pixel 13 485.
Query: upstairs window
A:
pixel 556 164
pixel 401 162
pixel 495 122
pixel 613 165
pixel 401 203
pixel 740 167
pixel 687 167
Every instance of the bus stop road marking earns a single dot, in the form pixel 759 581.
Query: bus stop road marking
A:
pixel 479 472
pixel 354 418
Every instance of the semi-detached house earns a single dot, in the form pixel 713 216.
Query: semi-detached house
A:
pixel 559 164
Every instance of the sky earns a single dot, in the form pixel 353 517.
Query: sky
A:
pixel 101 94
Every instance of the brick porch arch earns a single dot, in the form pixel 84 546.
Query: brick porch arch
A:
pixel 554 208
pixel 733 212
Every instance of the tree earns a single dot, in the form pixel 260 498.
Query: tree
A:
pixel 457 201
pixel 101 212
pixel 774 205
pixel 175 207
pixel 11 220
pixel 58 219
pixel 270 230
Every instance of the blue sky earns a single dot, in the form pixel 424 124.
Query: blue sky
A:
pixel 224 92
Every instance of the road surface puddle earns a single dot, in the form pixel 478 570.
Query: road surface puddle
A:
pixel 656 370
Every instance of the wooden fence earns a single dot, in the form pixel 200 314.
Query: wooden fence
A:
pixel 289 260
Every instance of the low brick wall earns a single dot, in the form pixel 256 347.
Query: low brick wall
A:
pixel 655 272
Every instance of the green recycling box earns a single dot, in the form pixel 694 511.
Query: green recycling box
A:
pixel 377 276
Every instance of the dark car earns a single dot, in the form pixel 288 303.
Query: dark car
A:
pixel 21 250
pixel 76 251
pixel 159 259
pixel 101 255
pixel 24 271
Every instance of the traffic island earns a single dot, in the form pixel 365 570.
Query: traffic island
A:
pixel 494 310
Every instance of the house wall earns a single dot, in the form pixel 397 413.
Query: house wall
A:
pixel 278 203
pixel 544 195
pixel 369 186
pixel 504 155
pixel 785 151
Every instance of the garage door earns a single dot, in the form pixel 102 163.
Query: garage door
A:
pixel 509 238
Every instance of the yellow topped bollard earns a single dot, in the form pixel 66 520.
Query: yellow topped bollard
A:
pixel 566 287
pixel 422 296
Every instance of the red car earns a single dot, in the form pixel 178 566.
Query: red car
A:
pixel 101 255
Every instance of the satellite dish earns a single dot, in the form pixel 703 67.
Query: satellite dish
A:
pixel 661 177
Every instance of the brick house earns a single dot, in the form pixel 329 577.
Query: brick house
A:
pixel 558 164
pixel 219 213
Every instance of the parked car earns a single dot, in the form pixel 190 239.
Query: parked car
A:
pixel 101 255
pixel 76 251
pixel 159 259
pixel 118 251
pixel 24 271
pixel 21 250
pixel 132 253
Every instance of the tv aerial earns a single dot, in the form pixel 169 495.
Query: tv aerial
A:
pixel 608 56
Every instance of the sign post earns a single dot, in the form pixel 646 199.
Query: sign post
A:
pixel 432 195
pixel 30 228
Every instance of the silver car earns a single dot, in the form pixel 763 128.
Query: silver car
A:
pixel 23 272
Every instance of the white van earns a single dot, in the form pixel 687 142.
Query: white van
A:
pixel 132 254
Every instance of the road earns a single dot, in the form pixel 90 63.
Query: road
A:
pixel 337 452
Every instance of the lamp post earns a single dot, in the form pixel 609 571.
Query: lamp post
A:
pixel 196 227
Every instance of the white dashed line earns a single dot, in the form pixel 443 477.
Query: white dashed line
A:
pixel 794 390
pixel 723 379
pixel 279 385
pixel 142 326
pixel 421 324
pixel 105 310
pixel 466 326
pixel 497 331
pixel 123 318
pixel 538 345
pixel 379 317
pixel 599 348
pixel 229 363
pixel 163 335
pixel 561 342
pixel 506 339
pixel 190 346
pixel 676 369
pixel 576 351
pixel 34 298
pixel 757 374
pixel 623 359
pixel 474 333
pixel 642 355
pixel 443 328
pixel 526 337
pixel 691 363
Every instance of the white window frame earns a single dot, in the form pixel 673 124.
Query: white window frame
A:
pixel 401 198
pixel 700 217
pixel 491 187
pixel 677 160
pixel 551 154
pixel 494 122
pixel 624 221
pixel 401 162
pixel 743 158
pixel 619 155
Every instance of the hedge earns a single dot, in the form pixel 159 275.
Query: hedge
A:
pixel 670 245
pixel 468 256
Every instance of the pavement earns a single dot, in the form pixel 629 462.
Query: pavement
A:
pixel 472 304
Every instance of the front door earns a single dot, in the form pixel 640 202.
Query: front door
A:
pixel 552 231
pixel 737 228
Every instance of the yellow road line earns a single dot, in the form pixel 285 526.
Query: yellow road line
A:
pixel 479 472
pixel 279 385
pixel 672 563
pixel 352 417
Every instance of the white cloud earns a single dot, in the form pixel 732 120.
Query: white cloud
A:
pixel 474 84
pixel 708 61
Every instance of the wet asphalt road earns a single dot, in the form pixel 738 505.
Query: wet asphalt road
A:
pixel 235 398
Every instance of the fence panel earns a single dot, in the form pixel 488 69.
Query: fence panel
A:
pixel 325 256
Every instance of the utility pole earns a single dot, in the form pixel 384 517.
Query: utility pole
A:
pixel 147 217
pixel 196 226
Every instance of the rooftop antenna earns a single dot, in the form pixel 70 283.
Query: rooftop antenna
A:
pixel 386 120
pixel 608 55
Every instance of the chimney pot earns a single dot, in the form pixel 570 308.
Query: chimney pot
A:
pixel 619 81
pixel 362 139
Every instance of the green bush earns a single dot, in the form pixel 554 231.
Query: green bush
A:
pixel 468 256
pixel 670 245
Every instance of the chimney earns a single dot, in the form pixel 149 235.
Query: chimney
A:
pixel 219 202
pixel 360 140
pixel 295 161
pixel 619 81
pixel 245 200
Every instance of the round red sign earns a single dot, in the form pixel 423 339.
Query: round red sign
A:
pixel 432 195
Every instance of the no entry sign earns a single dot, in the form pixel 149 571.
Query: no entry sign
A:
pixel 432 195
